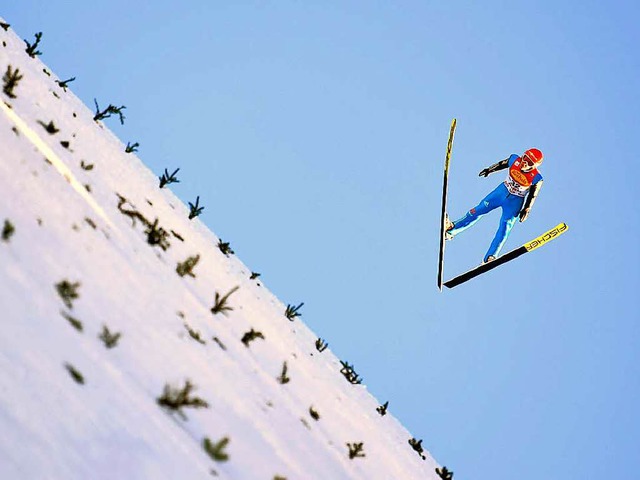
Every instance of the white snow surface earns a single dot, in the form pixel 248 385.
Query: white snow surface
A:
pixel 68 227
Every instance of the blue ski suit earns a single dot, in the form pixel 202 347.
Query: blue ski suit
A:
pixel 510 195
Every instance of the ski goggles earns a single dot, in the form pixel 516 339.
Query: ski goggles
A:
pixel 528 161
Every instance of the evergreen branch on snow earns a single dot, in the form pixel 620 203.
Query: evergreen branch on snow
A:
pixel 444 473
pixel 132 214
pixel 107 112
pixel 32 49
pixel 417 446
pixel 177 235
pixel 216 450
pixel 49 127
pixel 220 305
pixel 157 235
pixel 65 83
pixel 350 374
pixel 321 345
pixel 292 312
pixel 283 378
pixel 7 230
pixel 90 222
pixel 75 373
pixel 195 334
pixel 356 450
pixel 382 409
pixel 225 248
pixel 11 79
pixel 4 26
pixel 314 413
pixel 166 179
pixel 250 336
pixel 219 342
pixel 196 209
pixel 186 267
pixel 175 399
pixel 131 148
pixel 109 339
pixel 75 323
pixel 68 292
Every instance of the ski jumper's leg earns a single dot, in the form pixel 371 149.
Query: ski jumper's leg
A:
pixel 510 209
pixel 488 203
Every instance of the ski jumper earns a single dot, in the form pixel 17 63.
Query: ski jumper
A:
pixel 510 195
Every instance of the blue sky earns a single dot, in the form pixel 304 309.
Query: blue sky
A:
pixel 315 133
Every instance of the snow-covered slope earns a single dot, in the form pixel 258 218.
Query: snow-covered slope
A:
pixel 76 257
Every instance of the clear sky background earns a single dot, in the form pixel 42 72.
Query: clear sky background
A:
pixel 315 133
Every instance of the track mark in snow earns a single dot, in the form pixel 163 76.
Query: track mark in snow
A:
pixel 55 160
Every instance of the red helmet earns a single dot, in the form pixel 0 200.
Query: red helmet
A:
pixel 534 156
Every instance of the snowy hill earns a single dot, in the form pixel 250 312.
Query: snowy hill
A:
pixel 133 346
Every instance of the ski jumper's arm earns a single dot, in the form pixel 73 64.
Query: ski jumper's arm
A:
pixel 531 198
pixel 501 165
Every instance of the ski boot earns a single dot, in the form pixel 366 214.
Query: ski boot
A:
pixel 448 225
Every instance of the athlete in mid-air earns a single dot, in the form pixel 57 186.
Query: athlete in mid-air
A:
pixel 515 195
